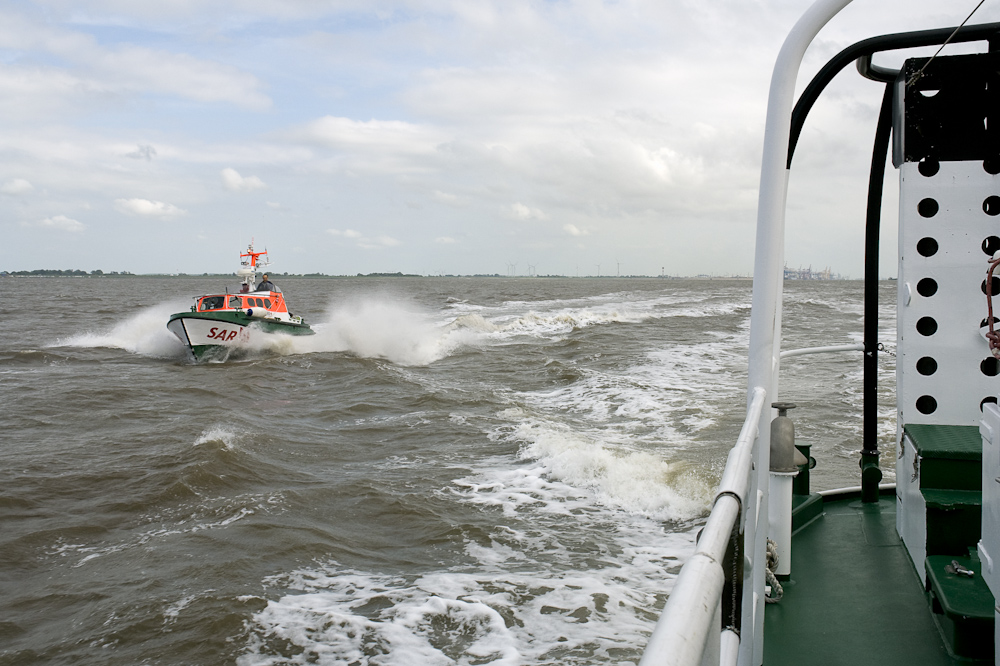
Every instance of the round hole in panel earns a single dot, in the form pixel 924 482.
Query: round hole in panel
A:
pixel 929 207
pixel 928 167
pixel 989 398
pixel 991 165
pixel 990 366
pixel 991 244
pixel 927 366
pixel 991 205
pixel 994 286
pixel 927 247
pixel 984 323
pixel 927 326
pixel 927 287
pixel 926 404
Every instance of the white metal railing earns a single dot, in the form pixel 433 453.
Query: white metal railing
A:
pixel 683 631
pixel 822 350
pixel 689 631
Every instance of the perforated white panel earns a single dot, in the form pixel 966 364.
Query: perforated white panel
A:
pixel 940 371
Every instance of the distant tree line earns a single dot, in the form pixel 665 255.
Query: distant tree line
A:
pixel 50 272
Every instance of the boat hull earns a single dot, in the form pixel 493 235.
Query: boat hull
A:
pixel 217 333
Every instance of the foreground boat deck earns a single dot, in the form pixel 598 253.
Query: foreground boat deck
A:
pixel 853 597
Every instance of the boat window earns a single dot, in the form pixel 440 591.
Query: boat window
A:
pixel 234 301
pixel 267 303
pixel 213 303
pixel 260 303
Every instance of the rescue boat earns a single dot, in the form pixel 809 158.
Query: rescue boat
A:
pixel 219 323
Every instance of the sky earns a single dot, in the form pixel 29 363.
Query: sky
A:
pixel 516 137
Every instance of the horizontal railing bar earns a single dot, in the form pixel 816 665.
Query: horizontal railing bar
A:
pixel 822 350
pixel 736 475
pixel 680 635
pixel 853 489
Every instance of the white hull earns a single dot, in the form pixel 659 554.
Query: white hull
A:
pixel 204 332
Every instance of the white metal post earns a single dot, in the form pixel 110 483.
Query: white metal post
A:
pixel 765 319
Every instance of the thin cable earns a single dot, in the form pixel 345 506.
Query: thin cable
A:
pixel 921 72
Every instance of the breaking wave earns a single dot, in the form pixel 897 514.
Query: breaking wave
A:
pixel 144 333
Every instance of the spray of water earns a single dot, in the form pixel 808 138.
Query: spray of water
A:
pixel 370 327
pixel 143 333
pixel 383 328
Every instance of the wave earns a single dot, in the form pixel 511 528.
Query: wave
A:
pixel 572 467
pixel 379 328
pixel 400 331
pixel 528 595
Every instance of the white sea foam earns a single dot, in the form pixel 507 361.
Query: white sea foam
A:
pixel 144 332
pixel 635 481
pixel 174 610
pixel 579 559
pixel 407 335
pixel 350 617
pixel 534 611
pixel 571 574
pixel 379 328
pixel 218 434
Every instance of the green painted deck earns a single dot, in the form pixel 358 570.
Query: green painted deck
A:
pixel 853 597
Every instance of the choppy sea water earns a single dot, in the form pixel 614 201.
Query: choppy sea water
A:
pixel 452 471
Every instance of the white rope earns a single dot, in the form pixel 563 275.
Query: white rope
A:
pixel 772 563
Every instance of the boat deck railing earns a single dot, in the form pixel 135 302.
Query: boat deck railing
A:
pixel 830 349
pixel 683 634
pixel 692 629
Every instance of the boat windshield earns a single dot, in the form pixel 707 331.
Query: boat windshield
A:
pixel 213 303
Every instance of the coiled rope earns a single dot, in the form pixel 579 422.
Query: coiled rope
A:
pixel 772 563
pixel 991 336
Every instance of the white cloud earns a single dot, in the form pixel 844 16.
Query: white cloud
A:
pixel 95 67
pixel 142 152
pixel 573 118
pixel 363 241
pixel 232 180
pixel 273 205
pixel 386 134
pixel 60 222
pixel 377 242
pixel 16 186
pixel 145 207
pixel 386 146
pixel 521 212
pixel 346 233
pixel 446 198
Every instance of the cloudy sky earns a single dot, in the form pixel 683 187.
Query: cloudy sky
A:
pixel 424 136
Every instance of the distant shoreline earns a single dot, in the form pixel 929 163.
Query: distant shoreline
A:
pixel 73 274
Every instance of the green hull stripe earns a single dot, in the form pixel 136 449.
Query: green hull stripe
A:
pixel 266 325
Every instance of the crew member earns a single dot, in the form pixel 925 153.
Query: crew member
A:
pixel 265 284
